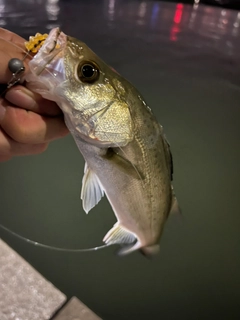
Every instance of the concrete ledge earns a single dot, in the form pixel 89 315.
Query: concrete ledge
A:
pixel 76 310
pixel 24 293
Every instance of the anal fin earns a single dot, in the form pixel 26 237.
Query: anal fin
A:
pixel 92 191
pixel 119 235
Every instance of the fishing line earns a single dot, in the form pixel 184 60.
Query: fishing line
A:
pixel 42 245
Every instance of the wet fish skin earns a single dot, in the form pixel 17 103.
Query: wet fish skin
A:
pixel 126 153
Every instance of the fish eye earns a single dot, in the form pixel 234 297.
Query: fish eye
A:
pixel 88 71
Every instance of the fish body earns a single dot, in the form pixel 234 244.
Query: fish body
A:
pixel 127 155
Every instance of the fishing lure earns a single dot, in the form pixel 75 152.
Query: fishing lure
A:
pixel 35 42
pixel 16 65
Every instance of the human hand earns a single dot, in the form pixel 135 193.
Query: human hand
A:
pixel 27 121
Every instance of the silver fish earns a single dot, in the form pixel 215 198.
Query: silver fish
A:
pixel 127 155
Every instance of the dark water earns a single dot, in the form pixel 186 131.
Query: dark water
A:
pixel 185 61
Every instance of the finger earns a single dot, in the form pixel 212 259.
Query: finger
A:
pixel 30 127
pixel 10 36
pixel 24 98
pixel 10 148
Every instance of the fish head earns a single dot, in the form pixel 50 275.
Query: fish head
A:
pixel 92 96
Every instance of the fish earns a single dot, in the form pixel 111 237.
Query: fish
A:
pixel 127 156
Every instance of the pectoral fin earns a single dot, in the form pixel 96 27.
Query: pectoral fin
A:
pixel 92 191
pixel 124 165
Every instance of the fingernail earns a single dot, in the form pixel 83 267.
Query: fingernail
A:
pixel 2 112
pixel 21 98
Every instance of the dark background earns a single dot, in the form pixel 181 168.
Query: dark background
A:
pixel 184 59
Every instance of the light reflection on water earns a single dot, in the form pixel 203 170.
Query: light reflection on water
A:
pixel 29 14
pixel 210 22
pixel 111 9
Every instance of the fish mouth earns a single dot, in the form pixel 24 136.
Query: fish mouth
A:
pixel 50 53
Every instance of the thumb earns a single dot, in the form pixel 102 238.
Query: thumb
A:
pixel 22 97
